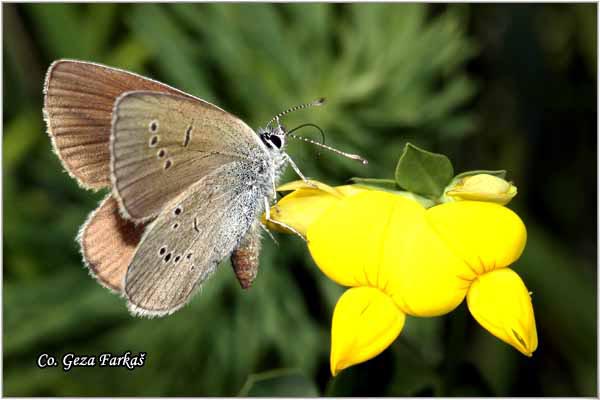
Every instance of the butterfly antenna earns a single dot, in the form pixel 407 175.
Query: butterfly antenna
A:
pixel 341 153
pixel 309 124
pixel 318 102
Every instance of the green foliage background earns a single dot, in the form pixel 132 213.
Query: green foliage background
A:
pixel 492 86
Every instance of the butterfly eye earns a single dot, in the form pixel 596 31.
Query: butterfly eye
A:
pixel 276 140
pixel 266 139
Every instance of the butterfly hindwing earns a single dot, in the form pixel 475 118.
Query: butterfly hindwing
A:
pixel 108 242
pixel 191 236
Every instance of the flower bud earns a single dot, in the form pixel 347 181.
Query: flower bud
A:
pixel 482 187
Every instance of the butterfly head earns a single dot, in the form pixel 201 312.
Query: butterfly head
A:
pixel 274 134
pixel 273 138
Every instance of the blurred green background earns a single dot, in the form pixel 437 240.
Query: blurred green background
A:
pixel 492 86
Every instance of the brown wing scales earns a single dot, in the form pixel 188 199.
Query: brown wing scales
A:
pixel 108 243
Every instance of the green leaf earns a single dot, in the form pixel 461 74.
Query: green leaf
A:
pixel 386 184
pixel 284 382
pixel 423 172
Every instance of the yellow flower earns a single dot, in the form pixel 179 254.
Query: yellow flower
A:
pixel 400 258
pixel 482 187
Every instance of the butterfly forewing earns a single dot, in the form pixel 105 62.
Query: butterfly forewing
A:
pixel 78 105
pixel 193 233
pixel 161 144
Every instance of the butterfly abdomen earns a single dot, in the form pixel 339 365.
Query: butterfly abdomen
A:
pixel 245 258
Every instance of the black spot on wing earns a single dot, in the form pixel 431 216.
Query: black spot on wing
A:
pixel 188 136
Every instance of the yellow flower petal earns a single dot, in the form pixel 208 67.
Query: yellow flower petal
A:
pixel 309 184
pixel 307 202
pixel 365 322
pixel 483 187
pixel 500 302
pixel 351 190
pixel 300 208
pixel 383 240
pixel 432 280
pixel 346 241
pixel 486 236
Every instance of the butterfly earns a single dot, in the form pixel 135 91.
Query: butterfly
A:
pixel 188 181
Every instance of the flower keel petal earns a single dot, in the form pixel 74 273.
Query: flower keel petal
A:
pixel 500 302
pixel 365 322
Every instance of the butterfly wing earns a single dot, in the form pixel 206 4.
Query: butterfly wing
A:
pixel 78 105
pixel 193 233
pixel 108 243
pixel 162 143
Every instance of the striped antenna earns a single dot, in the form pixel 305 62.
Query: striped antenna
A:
pixel 304 126
pixel 318 102
pixel 348 155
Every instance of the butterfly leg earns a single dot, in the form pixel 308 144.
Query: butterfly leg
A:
pixel 297 170
pixel 264 228
pixel 285 226
pixel 275 194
